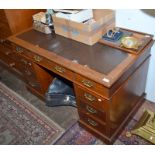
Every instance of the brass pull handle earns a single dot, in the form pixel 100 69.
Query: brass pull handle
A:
pixel 87 83
pixel 37 58
pixel 91 122
pixel 12 64
pixel 91 110
pixel 59 69
pixel 19 49
pixel 89 97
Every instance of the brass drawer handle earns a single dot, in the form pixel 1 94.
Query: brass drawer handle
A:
pixel 87 83
pixel 91 122
pixel 19 49
pixel 59 69
pixel 37 58
pixel 91 110
pixel 89 97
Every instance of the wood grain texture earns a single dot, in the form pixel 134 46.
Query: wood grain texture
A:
pixel 20 19
pixel 103 108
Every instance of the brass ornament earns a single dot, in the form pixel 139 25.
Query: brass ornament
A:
pixel 130 42
pixel 145 127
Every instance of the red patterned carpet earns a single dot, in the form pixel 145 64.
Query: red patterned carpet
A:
pixel 78 136
pixel 21 123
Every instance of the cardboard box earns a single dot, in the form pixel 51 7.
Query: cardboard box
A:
pixel 79 17
pixel 86 33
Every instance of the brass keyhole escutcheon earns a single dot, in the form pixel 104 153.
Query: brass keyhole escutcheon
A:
pixel 37 58
pixel 19 49
pixel 59 69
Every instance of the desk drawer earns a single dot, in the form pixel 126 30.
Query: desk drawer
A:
pixel 92 111
pixel 7 44
pixel 56 68
pixel 18 49
pixel 26 66
pixel 91 98
pixel 23 52
pixel 92 85
pixel 23 65
pixel 7 59
pixel 93 123
pixel 18 62
pixel 62 71
pixel 42 61
pixel 7 56
pixel 34 84
pixel 5 50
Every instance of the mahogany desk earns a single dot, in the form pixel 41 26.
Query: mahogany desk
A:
pixel 109 84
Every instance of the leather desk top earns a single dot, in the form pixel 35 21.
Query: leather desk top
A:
pixel 99 62
pixel 98 57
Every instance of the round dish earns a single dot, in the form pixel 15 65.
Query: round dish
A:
pixel 130 42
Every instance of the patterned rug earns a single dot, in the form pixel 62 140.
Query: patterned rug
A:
pixel 78 136
pixel 21 123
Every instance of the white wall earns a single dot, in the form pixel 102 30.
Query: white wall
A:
pixel 138 20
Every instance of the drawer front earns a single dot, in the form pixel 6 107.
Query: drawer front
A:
pixel 91 85
pixel 22 66
pixel 22 51
pixel 5 50
pixel 58 69
pixel 26 66
pixel 34 84
pixel 91 98
pixel 7 59
pixel 18 62
pixel 93 123
pixel 8 45
pixel 25 61
pixel 18 49
pixel 92 111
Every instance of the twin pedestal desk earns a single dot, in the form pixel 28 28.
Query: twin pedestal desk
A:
pixel 109 83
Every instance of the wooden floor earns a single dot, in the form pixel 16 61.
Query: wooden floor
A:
pixel 65 116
